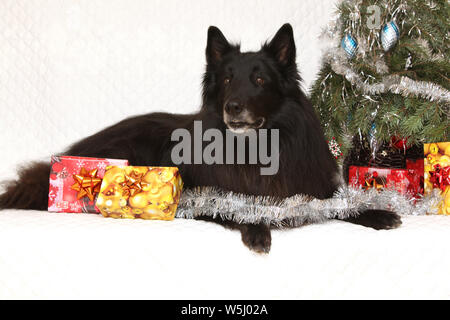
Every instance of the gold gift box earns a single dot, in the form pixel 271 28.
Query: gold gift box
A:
pixel 437 154
pixel 140 192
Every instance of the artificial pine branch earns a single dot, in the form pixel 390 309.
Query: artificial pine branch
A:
pixel 422 54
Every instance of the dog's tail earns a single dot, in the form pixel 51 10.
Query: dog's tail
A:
pixel 30 190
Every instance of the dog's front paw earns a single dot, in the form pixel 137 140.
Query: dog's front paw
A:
pixel 377 219
pixel 257 237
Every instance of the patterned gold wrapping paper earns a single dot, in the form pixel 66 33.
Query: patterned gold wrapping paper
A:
pixel 140 192
pixel 437 172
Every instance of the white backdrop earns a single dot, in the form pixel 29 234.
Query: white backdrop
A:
pixel 69 68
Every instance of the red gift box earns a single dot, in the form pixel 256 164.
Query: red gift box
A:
pixel 405 181
pixel 75 182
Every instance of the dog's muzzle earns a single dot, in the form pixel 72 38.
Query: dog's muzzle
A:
pixel 239 119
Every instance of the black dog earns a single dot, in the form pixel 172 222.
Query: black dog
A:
pixel 241 91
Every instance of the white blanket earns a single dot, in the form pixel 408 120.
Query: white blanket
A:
pixel 57 255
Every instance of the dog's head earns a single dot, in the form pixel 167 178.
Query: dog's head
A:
pixel 249 88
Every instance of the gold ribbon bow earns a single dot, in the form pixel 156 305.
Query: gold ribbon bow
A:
pixel 133 184
pixel 371 182
pixel 86 183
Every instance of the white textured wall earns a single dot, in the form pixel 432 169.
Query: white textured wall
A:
pixel 70 68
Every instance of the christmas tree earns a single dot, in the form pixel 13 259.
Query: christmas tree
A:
pixel 385 79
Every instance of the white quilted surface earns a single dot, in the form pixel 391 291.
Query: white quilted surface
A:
pixel 54 255
pixel 69 68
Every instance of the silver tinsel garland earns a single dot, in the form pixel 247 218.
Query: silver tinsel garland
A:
pixel 404 86
pixel 392 83
pixel 299 209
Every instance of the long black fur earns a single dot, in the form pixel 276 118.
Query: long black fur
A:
pixel 306 165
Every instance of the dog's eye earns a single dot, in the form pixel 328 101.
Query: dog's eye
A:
pixel 259 81
pixel 226 80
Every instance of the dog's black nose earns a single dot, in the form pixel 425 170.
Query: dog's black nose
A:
pixel 233 108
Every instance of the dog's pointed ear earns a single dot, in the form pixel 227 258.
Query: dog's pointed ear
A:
pixel 282 45
pixel 217 46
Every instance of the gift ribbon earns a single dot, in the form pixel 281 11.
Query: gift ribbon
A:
pixel 133 184
pixel 371 182
pixel 86 183
pixel 440 177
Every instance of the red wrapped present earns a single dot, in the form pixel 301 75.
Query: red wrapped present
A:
pixel 75 182
pixel 416 176
pixel 405 181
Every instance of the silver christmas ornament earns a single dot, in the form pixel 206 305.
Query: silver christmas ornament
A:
pixel 389 35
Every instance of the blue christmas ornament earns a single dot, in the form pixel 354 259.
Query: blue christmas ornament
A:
pixel 389 35
pixel 373 129
pixel 349 45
